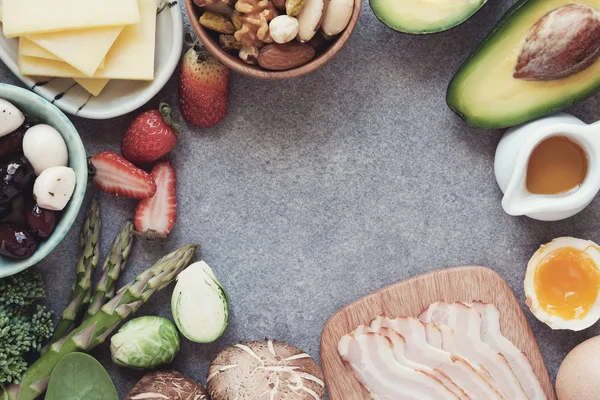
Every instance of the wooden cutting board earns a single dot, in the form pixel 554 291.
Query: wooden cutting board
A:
pixel 409 298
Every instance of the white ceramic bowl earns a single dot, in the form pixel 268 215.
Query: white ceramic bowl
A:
pixel 119 97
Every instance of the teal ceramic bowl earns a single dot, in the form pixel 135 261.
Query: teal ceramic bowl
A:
pixel 34 106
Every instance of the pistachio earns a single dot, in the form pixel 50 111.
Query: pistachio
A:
pixel 217 6
pixel 204 3
pixel 293 7
pixel 563 42
pixel 236 20
pixel 229 43
pixel 217 22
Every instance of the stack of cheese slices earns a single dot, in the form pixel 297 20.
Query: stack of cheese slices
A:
pixel 452 351
pixel 89 41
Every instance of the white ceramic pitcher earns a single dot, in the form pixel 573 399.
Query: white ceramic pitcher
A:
pixel 512 159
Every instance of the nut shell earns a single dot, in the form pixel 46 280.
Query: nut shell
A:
pixel 281 57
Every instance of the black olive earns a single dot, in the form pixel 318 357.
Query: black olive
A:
pixel 16 242
pixel 41 221
pixel 5 210
pixel 11 144
pixel 15 176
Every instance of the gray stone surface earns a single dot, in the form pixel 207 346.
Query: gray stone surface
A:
pixel 316 191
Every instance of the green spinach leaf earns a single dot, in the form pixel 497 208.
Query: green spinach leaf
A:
pixel 80 377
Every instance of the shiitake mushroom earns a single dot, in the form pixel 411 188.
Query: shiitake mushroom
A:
pixel 170 385
pixel 249 370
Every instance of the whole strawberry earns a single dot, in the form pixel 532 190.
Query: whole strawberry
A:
pixel 151 135
pixel 204 91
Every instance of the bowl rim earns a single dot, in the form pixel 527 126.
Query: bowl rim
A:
pixel 239 66
pixel 10 92
pixel 155 86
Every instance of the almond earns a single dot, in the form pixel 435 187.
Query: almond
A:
pixel 281 57
pixel 565 41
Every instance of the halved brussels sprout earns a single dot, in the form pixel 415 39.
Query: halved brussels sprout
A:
pixel 199 304
pixel 145 343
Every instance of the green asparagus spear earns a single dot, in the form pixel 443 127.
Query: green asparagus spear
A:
pixel 98 328
pixel 82 288
pixel 114 264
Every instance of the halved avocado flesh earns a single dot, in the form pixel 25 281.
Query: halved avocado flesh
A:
pixel 486 95
pixel 424 16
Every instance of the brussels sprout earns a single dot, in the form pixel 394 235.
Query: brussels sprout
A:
pixel 145 343
pixel 199 304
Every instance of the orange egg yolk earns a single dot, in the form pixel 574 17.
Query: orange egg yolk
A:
pixel 567 282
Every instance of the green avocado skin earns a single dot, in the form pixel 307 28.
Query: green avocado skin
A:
pixel 444 26
pixel 548 106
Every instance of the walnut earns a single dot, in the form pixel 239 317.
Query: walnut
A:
pixel 255 21
pixel 249 55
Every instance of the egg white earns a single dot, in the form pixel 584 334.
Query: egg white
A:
pixel 554 321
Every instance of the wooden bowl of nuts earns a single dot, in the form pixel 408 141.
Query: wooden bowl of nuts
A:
pixel 273 39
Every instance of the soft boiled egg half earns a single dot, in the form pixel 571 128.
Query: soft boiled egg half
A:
pixel 562 284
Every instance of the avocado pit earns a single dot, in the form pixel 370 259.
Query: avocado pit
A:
pixel 562 43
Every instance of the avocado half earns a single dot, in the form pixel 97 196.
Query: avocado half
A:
pixel 485 94
pixel 420 17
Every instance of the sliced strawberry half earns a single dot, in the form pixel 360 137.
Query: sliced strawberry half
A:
pixel 156 216
pixel 117 176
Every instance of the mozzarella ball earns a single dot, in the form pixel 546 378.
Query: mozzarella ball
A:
pixel 54 187
pixel 45 147
pixel 11 118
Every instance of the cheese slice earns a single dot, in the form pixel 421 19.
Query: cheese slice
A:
pixel 83 49
pixel 26 17
pixel 28 48
pixel 94 86
pixel 131 57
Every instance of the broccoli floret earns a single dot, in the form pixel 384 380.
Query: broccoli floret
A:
pixel 22 290
pixel 24 324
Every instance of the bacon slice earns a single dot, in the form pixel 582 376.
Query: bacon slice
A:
pixel 457 373
pixel 466 323
pixel 401 356
pixel 372 357
pixel 434 335
pixel 492 335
